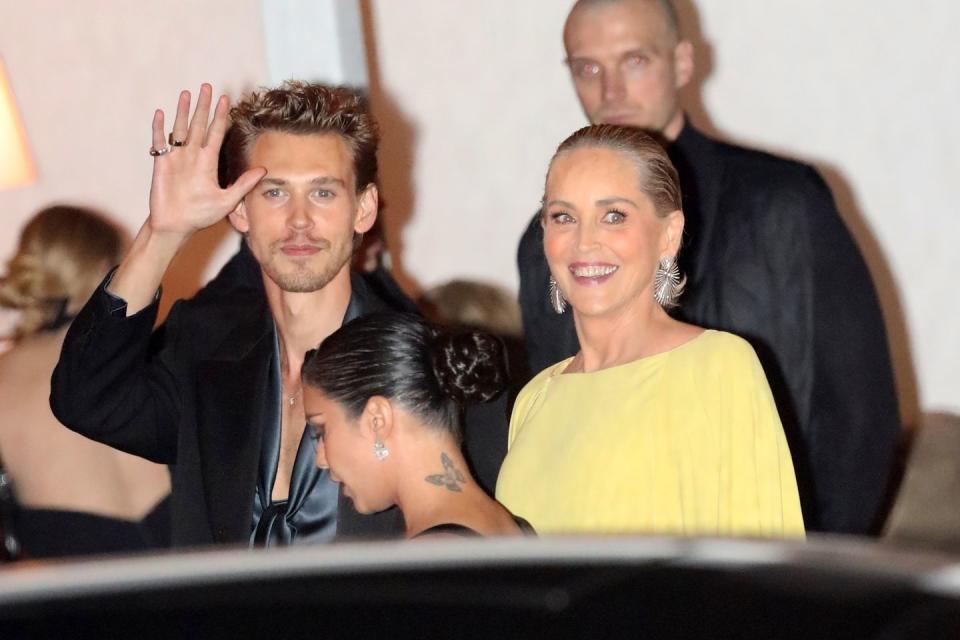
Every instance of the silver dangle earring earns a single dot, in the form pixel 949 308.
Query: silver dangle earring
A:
pixel 379 449
pixel 667 283
pixel 556 298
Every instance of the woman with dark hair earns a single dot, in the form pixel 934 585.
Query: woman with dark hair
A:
pixel 655 425
pixel 384 395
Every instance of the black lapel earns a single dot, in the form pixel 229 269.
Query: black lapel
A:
pixel 232 402
pixel 363 299
pixel 232 408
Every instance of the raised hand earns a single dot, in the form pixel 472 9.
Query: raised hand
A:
pixel 185 195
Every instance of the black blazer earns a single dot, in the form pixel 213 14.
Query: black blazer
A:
pixel 191 396
pixel 768 258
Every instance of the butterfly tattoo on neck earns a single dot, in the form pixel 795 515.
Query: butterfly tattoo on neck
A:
pixel 450 477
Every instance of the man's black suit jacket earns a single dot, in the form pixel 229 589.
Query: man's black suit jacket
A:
pixel 196 403
pixel 768 258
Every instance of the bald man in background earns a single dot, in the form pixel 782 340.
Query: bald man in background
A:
pixel 766 256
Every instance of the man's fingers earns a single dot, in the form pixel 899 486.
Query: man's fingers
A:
pixel 158 139
pixel 183 117
pixel 198 125
pixel 244 184
pixel 218 128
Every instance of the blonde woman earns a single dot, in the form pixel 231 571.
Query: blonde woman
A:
pixel 76 496
pixel 654 426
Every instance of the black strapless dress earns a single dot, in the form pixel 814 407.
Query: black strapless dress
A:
pixel 467 532
pixel 53 533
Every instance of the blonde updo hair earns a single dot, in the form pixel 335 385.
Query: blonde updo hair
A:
pixel 63 254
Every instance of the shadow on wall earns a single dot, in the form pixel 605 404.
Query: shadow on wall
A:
pixel 185 275
pixel 848 206
pixel 898 336
pixel 692 94
pixel 397 152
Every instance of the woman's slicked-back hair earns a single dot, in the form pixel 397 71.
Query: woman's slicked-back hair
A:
pixel 63 254
pixel 658 177
pixel 429 371
pixel 302 108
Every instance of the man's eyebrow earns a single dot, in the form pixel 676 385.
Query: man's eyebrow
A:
pixel 328 180
pixel 640 50
pixel 644 51
pixel 320 180
pixel 606 202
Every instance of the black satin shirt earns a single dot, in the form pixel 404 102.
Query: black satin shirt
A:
pixel 309 514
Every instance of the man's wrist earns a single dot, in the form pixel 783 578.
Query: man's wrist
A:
pixel 139 275
pixel 116 304
pixel 163 239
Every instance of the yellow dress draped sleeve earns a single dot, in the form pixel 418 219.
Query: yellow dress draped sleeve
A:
pixel 686 442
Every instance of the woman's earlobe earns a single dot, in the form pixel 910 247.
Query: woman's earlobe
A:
pixel 675 224
pixel 378 415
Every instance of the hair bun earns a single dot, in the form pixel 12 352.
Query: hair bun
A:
pixel 470 366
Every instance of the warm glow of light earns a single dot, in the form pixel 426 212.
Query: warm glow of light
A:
pixel 16 168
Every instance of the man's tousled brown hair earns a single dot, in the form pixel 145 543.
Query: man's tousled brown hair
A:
pixel 302 108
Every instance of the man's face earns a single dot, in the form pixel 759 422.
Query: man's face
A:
pixel 300 219
pixel 627 66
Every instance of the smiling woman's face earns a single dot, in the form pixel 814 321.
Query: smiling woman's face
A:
pixel 345 447
pixel 602 236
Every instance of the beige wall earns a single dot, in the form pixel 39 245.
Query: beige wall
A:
pixel 474 98
pixel 865 90
pixel 87 77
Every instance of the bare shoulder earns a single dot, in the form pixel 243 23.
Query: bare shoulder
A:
pixel 11 361
pixel 32 353
pixel 7 372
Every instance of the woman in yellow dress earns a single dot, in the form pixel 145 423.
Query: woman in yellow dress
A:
pixel 654 426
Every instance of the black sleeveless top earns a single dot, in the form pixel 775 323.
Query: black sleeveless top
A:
pixel 467 532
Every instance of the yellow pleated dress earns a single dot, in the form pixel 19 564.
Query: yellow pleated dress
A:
pixel 685 442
